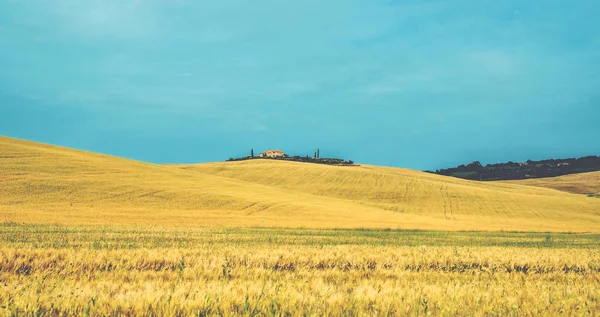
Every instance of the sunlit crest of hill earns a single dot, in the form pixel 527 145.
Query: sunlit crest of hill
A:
pixel 43 183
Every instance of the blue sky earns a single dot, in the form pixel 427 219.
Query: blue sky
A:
pixel 418 84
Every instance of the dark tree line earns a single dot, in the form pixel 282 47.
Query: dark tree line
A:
pixel 525 170
pixel 305 159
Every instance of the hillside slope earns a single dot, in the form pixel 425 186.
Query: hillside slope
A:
pixel 42 183
pixel 585 183
pixel 444 199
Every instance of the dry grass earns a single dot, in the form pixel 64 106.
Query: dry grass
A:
pixel 132 238
pixel 42 183
pixel 449 203
pixel 58 270
pixel 584 183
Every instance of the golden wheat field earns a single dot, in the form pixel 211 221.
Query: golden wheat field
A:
pixel 100 271
pixel 89 234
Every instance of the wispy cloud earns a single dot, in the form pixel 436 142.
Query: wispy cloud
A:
pixel 424 79
pixel 260 127
pixel 494 62
pixel 123 18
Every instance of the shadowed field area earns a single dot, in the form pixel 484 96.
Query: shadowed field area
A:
pixel 585 183
pixel 43 183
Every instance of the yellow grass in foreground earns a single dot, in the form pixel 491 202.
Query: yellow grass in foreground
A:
pixel 42 183
pixel 56 270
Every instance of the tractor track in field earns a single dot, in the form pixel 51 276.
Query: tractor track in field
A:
pixel 448 209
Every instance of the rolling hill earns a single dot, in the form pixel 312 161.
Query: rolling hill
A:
pixel 585 183
pixel 42 183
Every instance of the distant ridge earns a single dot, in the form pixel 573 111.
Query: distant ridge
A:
pixel 581 183
pixel 281 156
pixel 524 170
